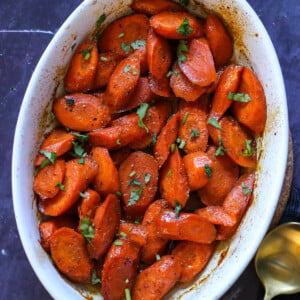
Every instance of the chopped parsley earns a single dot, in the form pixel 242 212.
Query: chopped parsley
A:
pixel 147 178
pixel 169 74
pixel 102 58
pixel 82 195
pixel 82 138
pixel 127 68
pixel 70 102
pixel 81 161
pixel 185 29
pixel 118 142
pixel 127 280
pixel 169 173
pixel 132 174
pixel 131 227
pixel 154 139
pixel 182 47
pixel 195 133
pixel 157 257
pixel 177 209
pixel 60 186
pixel 87 230
pixel 215 123
pixel 220 151
pixel 51 156
pixel 134 182
pixel 137 44
pixel 184 3
pixel 127 294
pixel 52 115
pixel 135 194
pixel 86 52
pixel 246 191
pixel 208 171
pixel 101 20
pixel 182 144
pixel 78 150
pixel 239 97
pixel 123 234
pixel 125 48
pixel 121 35
pixel 118 243
pixel 95 279
pixel 249 151
pixel 184 118
pixel 172 148
pixel 118 193
pixel 141 112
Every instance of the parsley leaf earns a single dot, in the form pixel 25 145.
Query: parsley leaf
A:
pixel 246 191
pixel 249 151
pixel 182 47
pixel 81 161
pixel 82 138
pixel 118 193
pixel 70 102
pixel 135 195
pixel 78 149
pixel 82 195
pixel 134 182
pixel 95 279
pixel 127 68
pixel 240 97
pixel 185 29
pixel 118 142
pixel 86 53
pixel 208 171
pixel 45 163
pixel 127 294
pixel 177 209
pixel 215 123
pixel 157 257
pixel 141 112
pixel 50 156
pixel 195 133
pixel 147 178
pixel 86 230
pixel 154 139
pixel 118 243
pixel 101 20
pixel 132 174
pixel 184 118
pixel 184 3
pixel 172 148
pixel 137 44
pixel 182 144
pixel 60 186
pixel 169 173
pixel 102 58
pixel 121 35
pixel 169 74
pixel 220 151
pixel 125 48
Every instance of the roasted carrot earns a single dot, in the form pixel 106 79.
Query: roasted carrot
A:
pixel 216 215
pixel 166 138
pixel 193 257
pixel 82 70
pixel 154 7
pixel 219 40
pixel 77 177
pixel 254 113
pixel 173 183
pixel 107 179
pixel 69 253
pixel 59 142
pixel 199 168
pixel 225 174
pixel 169 25
pixel 120 35
pixel 47 181
pixel 107 63
pixel 119 156
pixel 185 226
pixel 154 282
pixel 135 232
pixel 106 221
pixel 81 112
pixel 47 228
pixel 141 53
pixel 199 66
pixel 138 176
pixel 120 269
pixel 160 87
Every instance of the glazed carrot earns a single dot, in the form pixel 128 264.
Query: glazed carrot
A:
pixel 81 112
pixel 141 53
pixel 154 282
pixel 166 138
pixel 77 178
pixel 193 130
pixel 229 82
pixel 219 40
pixel 199 66
pixel 107 63
pixel 138 176
pixel 68 251
pixel 159 55
pixel 254 113
pixel 156 117
pixel 193 257
pixel 169 24
pixel 46 182
pixel 240 146
pixel 160 87
pixel 120 269
pixel 107 179
pixel 134 232
pixel 119 35
pixel 107 220
pixel 82 70
pixel 225 174
pixel 122 83
pixel 185 226
pixel 216 215
pixel 173 183
pixel 59 142
pixel 199 168
pixel 183 88
pixel 47 228
pixel 154 7
pixel 119 156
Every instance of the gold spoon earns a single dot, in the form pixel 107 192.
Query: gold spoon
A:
pixel 277 261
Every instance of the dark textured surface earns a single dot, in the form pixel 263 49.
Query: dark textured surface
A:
pixel 19 53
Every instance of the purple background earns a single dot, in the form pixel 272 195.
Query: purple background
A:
pixel 20 52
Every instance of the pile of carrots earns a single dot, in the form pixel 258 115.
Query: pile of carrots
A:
pixel 154 157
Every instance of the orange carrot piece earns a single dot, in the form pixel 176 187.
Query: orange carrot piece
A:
pixel 82 70
pixel 134 232
pixel 141 53
pixel 219 40
pixel 138 176
pixel 68 251
pixel 119 156
pixel 167 24
pixel 77 178
pixel 81 112
pixel 216 215
pixel 160 87
pixel 107 220
pixel 46 181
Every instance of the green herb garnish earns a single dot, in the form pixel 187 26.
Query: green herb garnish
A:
pixel 208 171
pixel 141 112
pixel 101 20
pixel 121 35
pixel 87 230
pixel 127 68
pixel 215 123
pixel 249 151
pixel 132 174
pixel 220 151
pixel 177 209
pixel 102 58
pixel 195 133
pixel 157 257
pixel 239 97
pixel 70 102
pixel 60 186
pixel 127 294
pixel 82 195
pixel 82 138
pixel 182 144
pixel 118 243
pixel 182 47
pixel 125 48
pixel 95 279
pixel 51 156
pixel 246 191
pixel 169 74
pixel 137 44
pixel 147 178
pixel 185 29
pixel 184 118
pixel 172 148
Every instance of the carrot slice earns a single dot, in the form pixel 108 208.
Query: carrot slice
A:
pixel 119 35
pixel 154 7
pixel 229 82
pixel 46 182
pixel 120 268
pixel 199 66
pixel 154 282
pixel 193 258
pixel 199 168
pixel 47 228
pixel 138 176
pixel 107 220
pixel 82 70
pixel 219 40
pixel 216 215
pixel 81 112
pixel 107 180
pixel 119 156
pixel 168 25
pixel 68 251
pixel 164 141
pixel 134 232
pixel 173 184
pixel 59 142
pixel 77 178
pixel 185 226
pixel 122 83
pixel 159 55
pixel 107 63
pixel 141 53
pixel 225 174
pixel 254 113
pixel 160 87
